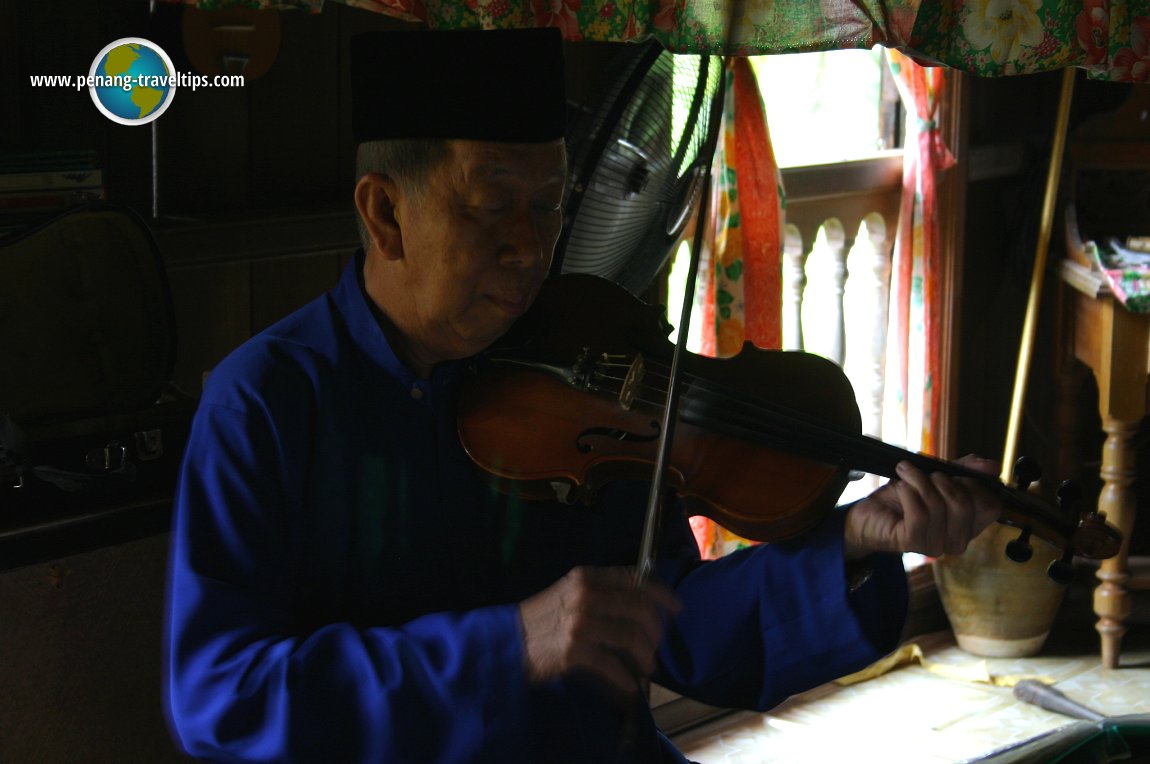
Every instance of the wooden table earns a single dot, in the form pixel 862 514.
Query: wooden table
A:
pixel 1115 344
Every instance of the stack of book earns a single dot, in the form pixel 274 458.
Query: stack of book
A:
pixel 37 185
pixel 1126 263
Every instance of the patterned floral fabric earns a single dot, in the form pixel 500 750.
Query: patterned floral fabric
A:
pixel 741 268
pixel 914 346
pixel 992 38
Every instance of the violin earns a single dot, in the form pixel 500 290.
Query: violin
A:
pixel 765 442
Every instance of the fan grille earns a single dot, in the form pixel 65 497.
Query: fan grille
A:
pixel 632 159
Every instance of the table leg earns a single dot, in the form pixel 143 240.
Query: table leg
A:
pixel 1112 600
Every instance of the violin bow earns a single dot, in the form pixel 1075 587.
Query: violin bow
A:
pixel 646 561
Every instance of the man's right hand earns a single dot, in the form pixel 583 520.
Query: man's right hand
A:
pixel 598 620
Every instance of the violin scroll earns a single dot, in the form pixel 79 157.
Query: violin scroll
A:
pixel 1086 533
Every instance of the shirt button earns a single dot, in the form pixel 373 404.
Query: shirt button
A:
pixel 416 393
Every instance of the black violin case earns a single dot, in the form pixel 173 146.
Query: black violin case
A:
pixel 87 350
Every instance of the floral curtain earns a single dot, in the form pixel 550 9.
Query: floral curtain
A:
pixel 1111 38
pixel 740 268
pixel 914 361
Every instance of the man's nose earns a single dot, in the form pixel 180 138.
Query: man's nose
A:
pixel 523 241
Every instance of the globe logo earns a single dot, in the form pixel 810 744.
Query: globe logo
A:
pixel 132 81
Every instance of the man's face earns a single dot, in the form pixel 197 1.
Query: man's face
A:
pixel 477 241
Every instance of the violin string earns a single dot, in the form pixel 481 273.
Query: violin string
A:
pixel 737 412
pixel 780 427
pixel 789 430
pixel 697 383
pixel 856 449
pixel 785 421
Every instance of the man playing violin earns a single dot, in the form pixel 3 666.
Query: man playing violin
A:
pixel 345 587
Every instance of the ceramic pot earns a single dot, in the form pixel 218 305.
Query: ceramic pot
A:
pixel 997 607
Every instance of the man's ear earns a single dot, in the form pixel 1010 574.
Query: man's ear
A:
pixel 376 196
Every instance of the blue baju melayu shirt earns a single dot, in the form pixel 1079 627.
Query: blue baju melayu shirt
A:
pixel 343 585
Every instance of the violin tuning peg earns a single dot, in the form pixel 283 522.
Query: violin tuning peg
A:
pixel 1019 550
pixel 1026 471
pixel 1095 538
pixel 1061 571
pixel 1090 520
pixel 1069 493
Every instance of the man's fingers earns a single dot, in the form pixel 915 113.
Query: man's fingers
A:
pixel 617 668
pixel 621 611
pixel 980 464
pixel 598 619
pixel 627 617
pixel 925 530
pixel 933 514
pixel 653 590
pixel 634 638
pixel 942 514
pixel 986 496
pixel 958 511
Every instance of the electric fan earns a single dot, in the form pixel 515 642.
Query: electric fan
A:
pixel 637 165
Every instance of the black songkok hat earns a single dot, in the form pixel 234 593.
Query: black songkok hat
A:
pixel 487 85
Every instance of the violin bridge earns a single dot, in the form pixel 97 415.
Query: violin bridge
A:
pixel 630 387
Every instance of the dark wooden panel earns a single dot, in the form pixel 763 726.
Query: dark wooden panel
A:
pixel 213 316
pixel 299 232
pixel 204 152
pixel 13 78
pixel 82 653
pixel 54 118
pixel 282 285
pixel 294 121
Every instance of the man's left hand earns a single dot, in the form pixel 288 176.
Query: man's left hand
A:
pixel 931 514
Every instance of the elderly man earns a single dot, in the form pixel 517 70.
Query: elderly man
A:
pixel 344 586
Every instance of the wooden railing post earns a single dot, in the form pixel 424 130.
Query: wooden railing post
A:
pixel 865 306
pixel 826 272
pixel 794 282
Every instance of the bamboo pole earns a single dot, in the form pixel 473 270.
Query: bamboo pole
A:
pixel 1043 246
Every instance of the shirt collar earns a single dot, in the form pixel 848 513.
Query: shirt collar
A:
pixel 360 314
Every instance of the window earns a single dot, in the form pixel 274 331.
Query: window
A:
pixel 828 107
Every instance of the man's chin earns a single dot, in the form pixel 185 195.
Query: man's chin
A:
pixel 481 341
